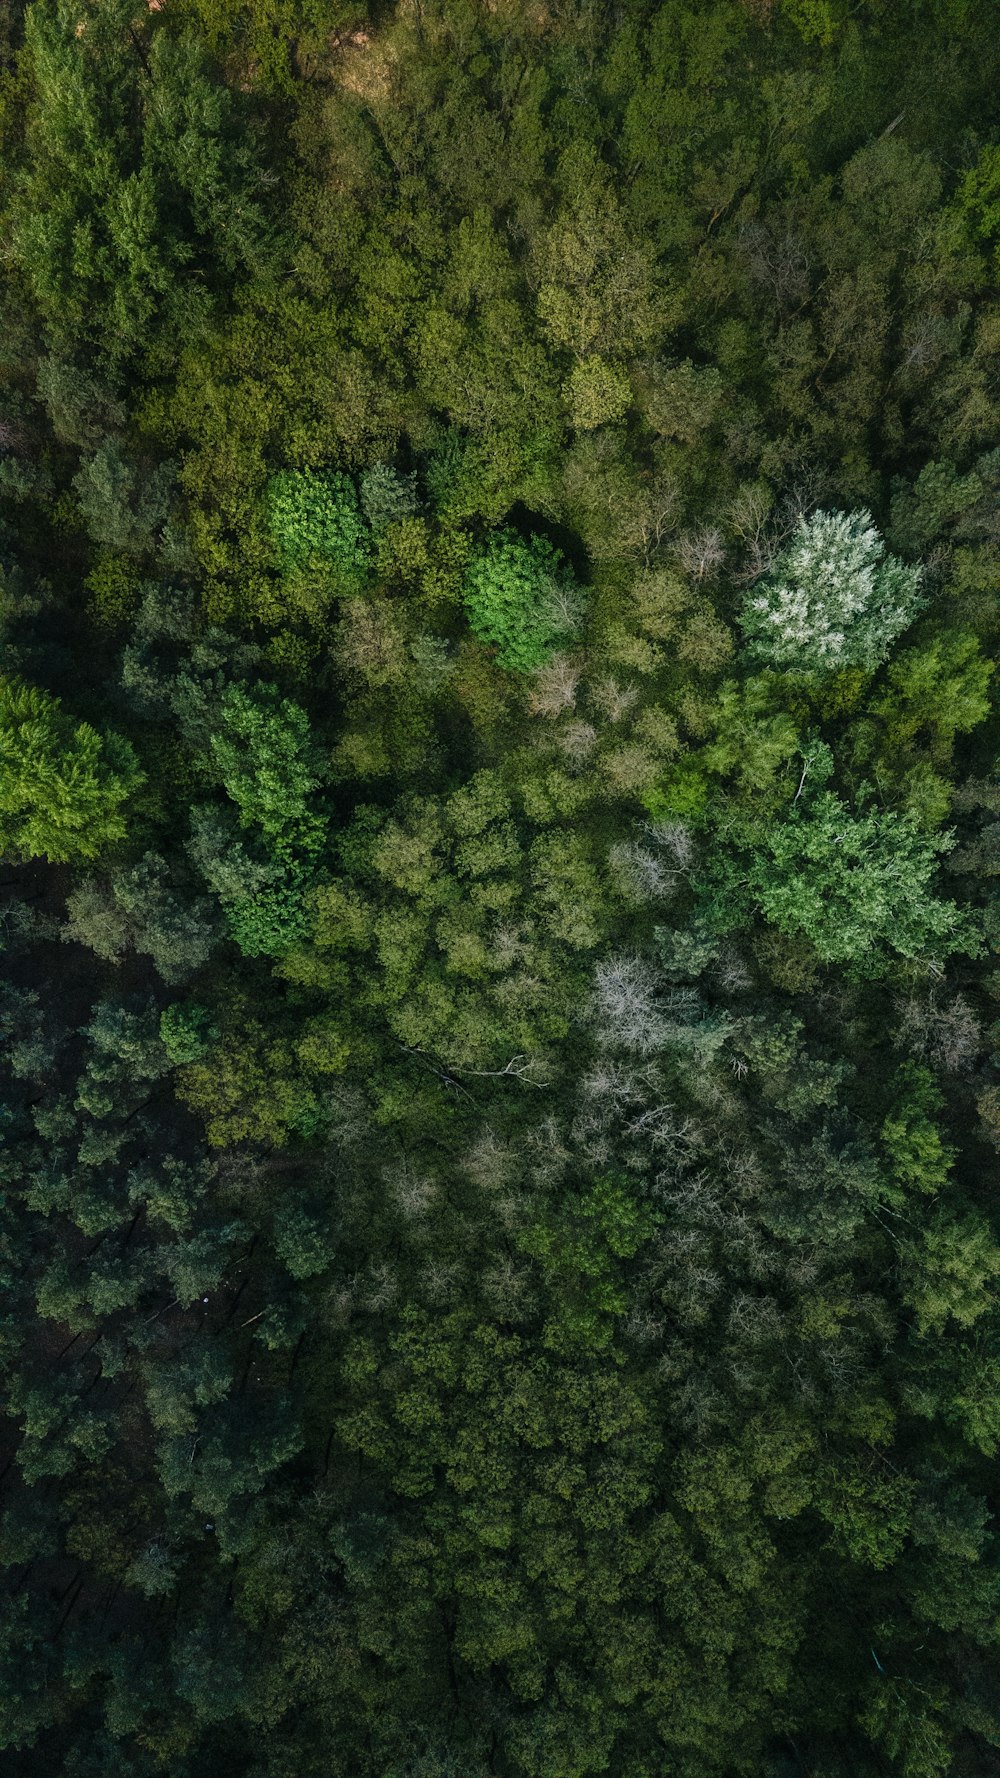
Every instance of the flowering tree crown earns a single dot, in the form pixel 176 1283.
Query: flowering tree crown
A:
pixel 834 597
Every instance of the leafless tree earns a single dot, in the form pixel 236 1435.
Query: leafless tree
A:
pixel 378 1288
pixel 701 553
pixel 438 1281
pixel 625 1004
pixel 749 516
pixel 643 875
pixel 776 260
pixel 491 1162
pixel 504 1287
pixel 578 740
pixel 413 1192
pixel 948 1035
pixel 555 686
pixel 642 1326
pixel 612 699
pixel 674 839
pixel 754 1319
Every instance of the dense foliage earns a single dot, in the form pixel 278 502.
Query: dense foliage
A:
pixel 498 1116
pixel 830 599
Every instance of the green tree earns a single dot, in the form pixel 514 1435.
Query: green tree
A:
pixel 858 885
pixel 316 524
pixel 63 786
pixel 521 598
pixel 271 769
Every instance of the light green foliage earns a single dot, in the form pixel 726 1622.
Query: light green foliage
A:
pixel 268 763
pixel 522 599
pixel 918 1156
pixel 979 197
pixel 300 1242
pixel 467 940
pixel 269 922
pixel 250 1087
pixel 140 909
pixel 596 392
pixel 936 500
pixel 856 886
pixel 264 34
pixel 818 21
pixel 952 1271
pixel 942 687
pixel 680 401
pixel 316 524
pixel 867 1507
pixel 63 786
pixel 755 740
pixel 685 952
pixel 598 286
pixel 833 597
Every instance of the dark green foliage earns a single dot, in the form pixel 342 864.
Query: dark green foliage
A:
pixel 137 163
pixel 186 1031
pixel 124 507
pixel 140 909
pixel 387 496
pixel 499 1252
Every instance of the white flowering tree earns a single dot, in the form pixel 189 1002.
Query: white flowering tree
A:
pixel 833 598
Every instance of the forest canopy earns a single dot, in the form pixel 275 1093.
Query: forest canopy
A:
pixel 499 816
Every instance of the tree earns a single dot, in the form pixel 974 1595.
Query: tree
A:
pixel 316 524
pixel 271 769
pixel 186 1031
pixel 125 505
pixel 140 191
pixel 387 496
pixel 833 598
pixel 521 598
pixel 859 887
pixel 596 392
pixel 268 763
pixel 140 909
pixel 62 785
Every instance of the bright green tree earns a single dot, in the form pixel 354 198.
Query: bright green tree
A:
pixel 62 785
pixel 522 598
pixel 857 884
pixel 316 524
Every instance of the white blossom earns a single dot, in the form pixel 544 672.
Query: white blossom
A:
pixel 833 598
